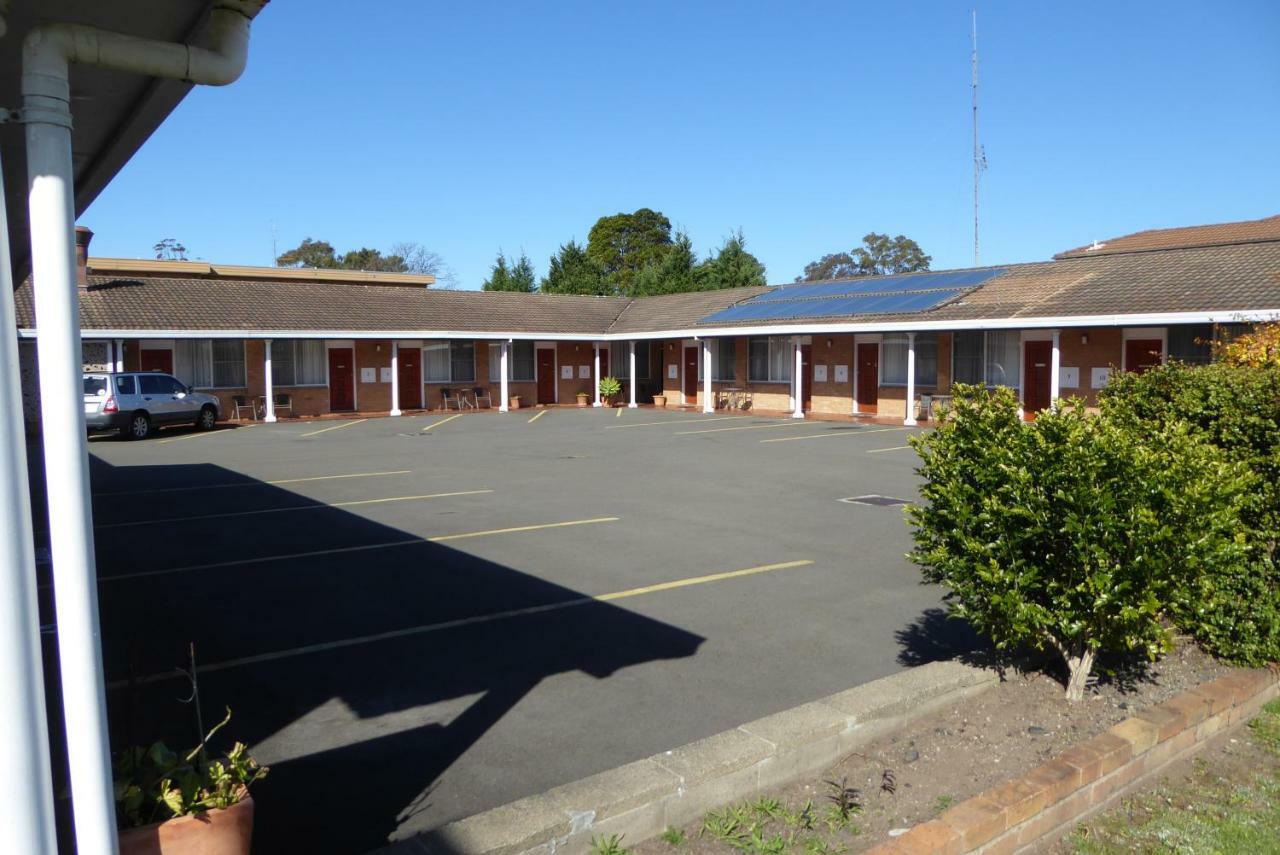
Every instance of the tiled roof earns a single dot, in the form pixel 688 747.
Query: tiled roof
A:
pixel 678 311
pixel 1217 234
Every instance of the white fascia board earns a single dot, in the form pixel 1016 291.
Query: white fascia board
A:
pixel 380 335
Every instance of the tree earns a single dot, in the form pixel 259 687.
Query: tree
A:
pixel 510 277
pixel 309 253
pixel 674 271
pixel 572 272
pixel 878 255
pixel 621 245
pixel 731 267
pixel 1258 348
pixel 418 259
pixel 170 250
pixel 404 257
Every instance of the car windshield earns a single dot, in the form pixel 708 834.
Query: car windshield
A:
pixel 95 386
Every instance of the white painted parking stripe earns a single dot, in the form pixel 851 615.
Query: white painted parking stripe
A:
pixel 335 427
pixel 255 483
pixel 197 434
pixel 894 448
pixel 835 433
pixel 317 507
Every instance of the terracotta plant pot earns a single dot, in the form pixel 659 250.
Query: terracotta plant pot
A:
pixel 583 399
pixel 659 400
pixel 218 832
pixel 515 402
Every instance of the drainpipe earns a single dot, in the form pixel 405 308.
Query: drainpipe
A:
pixel 47 53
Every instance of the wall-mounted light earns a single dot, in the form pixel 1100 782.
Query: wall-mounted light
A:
pixel 1084 338
pixel 828 342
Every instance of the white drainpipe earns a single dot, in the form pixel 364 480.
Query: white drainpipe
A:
pixel 47 54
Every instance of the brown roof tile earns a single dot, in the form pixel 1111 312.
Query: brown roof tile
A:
pixel 1217 234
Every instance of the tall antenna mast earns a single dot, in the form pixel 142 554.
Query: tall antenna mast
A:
pixel 979 156
pixel 275 251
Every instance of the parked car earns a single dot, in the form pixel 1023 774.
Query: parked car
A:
pixel 136 403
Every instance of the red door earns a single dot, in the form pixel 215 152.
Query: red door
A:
pixel 868 377
pixel 410 378
pixel 156 360
pixel 691 375
pixel 1035 376
pixel 342 375
pixel 1139 354
pixel 806 377
pixel 546 376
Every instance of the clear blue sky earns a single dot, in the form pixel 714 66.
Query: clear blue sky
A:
pixel 474 126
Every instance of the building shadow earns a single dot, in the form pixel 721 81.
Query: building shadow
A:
pixel 365 673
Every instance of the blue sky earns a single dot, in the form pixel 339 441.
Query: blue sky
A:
pixel 470 127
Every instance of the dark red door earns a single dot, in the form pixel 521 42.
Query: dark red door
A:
pixel 1035 376
pixel 156 360
pixel 868 377
pixel 546 376
pixel 410 378
pixel 342 375
pixel 806 377
pixel 1139 354
pixel 691 375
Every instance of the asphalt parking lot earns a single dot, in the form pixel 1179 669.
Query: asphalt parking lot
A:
pixel 414 619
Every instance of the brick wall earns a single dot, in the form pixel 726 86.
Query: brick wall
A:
pixel 1105 348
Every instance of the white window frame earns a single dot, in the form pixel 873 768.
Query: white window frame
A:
pixel 452 381
pixel 785 340
pixel 919 384
pixel 277 343
pixel 495 359
pixel 244 362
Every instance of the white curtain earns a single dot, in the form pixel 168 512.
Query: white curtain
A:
pixel 228 363
pixel 435 362
pixel 1004 358
pixel 309 363
pixel 193 362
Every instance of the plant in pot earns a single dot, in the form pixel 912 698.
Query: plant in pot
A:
pixel 514 402
pixel 609 386
pixel 196 802
pixel 659 400
pixel 584 398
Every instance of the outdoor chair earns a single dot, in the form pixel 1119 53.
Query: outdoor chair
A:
pixel 447 398
pixel 926 407
pixel 244 402
pixel 284 401
pixel 482 394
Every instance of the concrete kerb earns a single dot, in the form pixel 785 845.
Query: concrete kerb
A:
pixel 639 800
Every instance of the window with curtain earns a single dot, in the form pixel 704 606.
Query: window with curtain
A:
pixel 462 362
pixel 227 356
pixel 435 362
pixel 893 359
pixel 298 363
pixel 192 362
pixel 726 360
pixel 520 362
pixel 1191 343
pixel 769 359
pixel 966 357
pixel 620 360
pixel 1004 358
pixel 282 373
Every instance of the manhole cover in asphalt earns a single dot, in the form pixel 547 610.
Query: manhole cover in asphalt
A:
pixel 878 501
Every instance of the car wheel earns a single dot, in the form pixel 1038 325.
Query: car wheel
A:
pixel 139 426
pixel 208 418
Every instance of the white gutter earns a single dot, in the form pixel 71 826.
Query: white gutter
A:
pixel 47 53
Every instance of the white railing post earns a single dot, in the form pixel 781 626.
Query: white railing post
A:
pixel 632 375
pixel 395 378
pixel 595 348
pixel 1055 369
pixel 504 367
pixel 798 384
pixel 119 355
pixel 708 401
pixel 911 380
pixel 270 388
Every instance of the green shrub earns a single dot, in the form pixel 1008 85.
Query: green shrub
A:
pixel 609 386
pixel 1068 533
pixel 1234 613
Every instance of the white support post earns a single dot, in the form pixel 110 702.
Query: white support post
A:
pixel 66 464
pixel 26 788
pixel 708 400
pixel 1054 371
pixel 798 380
pixel 395 378
pixel 504 363
pixel 595 348
pixel 119 355
pixel 911 380
pixel 632 375
pixel 266 373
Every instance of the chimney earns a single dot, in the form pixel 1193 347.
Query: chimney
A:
pixel 83 236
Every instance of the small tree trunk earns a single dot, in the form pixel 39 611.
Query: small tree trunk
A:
pixel 1080 667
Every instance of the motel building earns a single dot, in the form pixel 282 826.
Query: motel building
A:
pixel 285 342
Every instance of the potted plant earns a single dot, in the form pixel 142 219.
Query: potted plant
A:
pixel 515 402
pixel 194 803
pixel 584 397
pixel 609 386
pixel 659 400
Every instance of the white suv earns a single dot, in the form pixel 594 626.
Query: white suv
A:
pixel 135 403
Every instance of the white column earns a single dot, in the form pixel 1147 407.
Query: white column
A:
pixel 911 380
pixel 798 380
pixel 66 464
pixel 503 368
pixel 26 788
pixel 631 355
pixel 266 373
pixel 1054 369
pixel 119 355
pixel 595 348
pixel 708 400
pixel 395 378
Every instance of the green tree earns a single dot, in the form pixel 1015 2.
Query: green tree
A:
pixel 731 267
pixel 572 272
pixel 404 257
pixel 170 249
pixel 309 253
pixel 522 276
pixel 623 244
pixel 878 255
pixel 506 276
pixel 674 271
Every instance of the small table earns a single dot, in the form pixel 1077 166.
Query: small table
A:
pixel 736 397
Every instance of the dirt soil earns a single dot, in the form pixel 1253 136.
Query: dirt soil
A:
pixel 944 758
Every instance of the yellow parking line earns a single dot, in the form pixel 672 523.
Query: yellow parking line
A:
pixel 882 450
pixel 199 433
pixel 424 629
pixel 335 427
pixel 619 412
pixel 796 423
pixel 679 420
pixel 538 416
pixel 391 544
pixel 255 483
pixel 835 433
pixel 442 421
pixel 298 508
